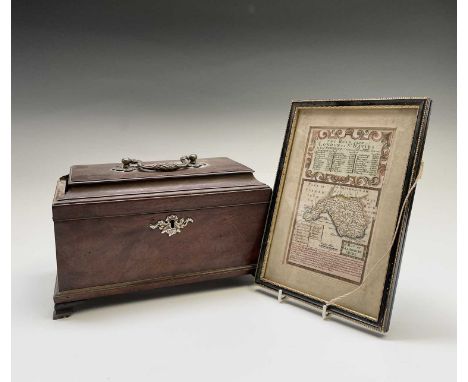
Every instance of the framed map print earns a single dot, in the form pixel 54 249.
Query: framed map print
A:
pixel 341 205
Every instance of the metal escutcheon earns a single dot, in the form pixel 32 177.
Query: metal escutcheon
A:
pixel 171 225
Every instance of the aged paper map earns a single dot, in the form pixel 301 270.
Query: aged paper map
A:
pixel 338 199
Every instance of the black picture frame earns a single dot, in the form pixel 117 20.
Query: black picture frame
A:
pixel 413 168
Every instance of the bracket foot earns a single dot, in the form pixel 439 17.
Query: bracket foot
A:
pixel 63 310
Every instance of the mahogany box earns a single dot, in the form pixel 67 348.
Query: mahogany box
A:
pixel 135 226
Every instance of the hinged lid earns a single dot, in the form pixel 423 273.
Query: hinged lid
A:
pixel 103 173
pixel 113 189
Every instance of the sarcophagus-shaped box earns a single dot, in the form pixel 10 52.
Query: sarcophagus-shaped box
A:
pixel 135 226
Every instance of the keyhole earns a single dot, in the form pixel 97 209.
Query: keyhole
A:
pixel 172 223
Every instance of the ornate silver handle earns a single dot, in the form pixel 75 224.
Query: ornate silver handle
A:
pixel 171 225
pixel 187 161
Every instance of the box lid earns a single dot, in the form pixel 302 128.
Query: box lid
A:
pixel 88 188
pixel 114 172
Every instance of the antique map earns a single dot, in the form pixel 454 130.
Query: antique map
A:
pixel 338 199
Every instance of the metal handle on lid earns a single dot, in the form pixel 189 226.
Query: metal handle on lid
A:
pixel 187 161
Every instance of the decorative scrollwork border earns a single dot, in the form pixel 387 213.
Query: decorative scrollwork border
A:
pixel 385 136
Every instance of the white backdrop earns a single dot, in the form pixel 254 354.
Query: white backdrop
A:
pixel 91 85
